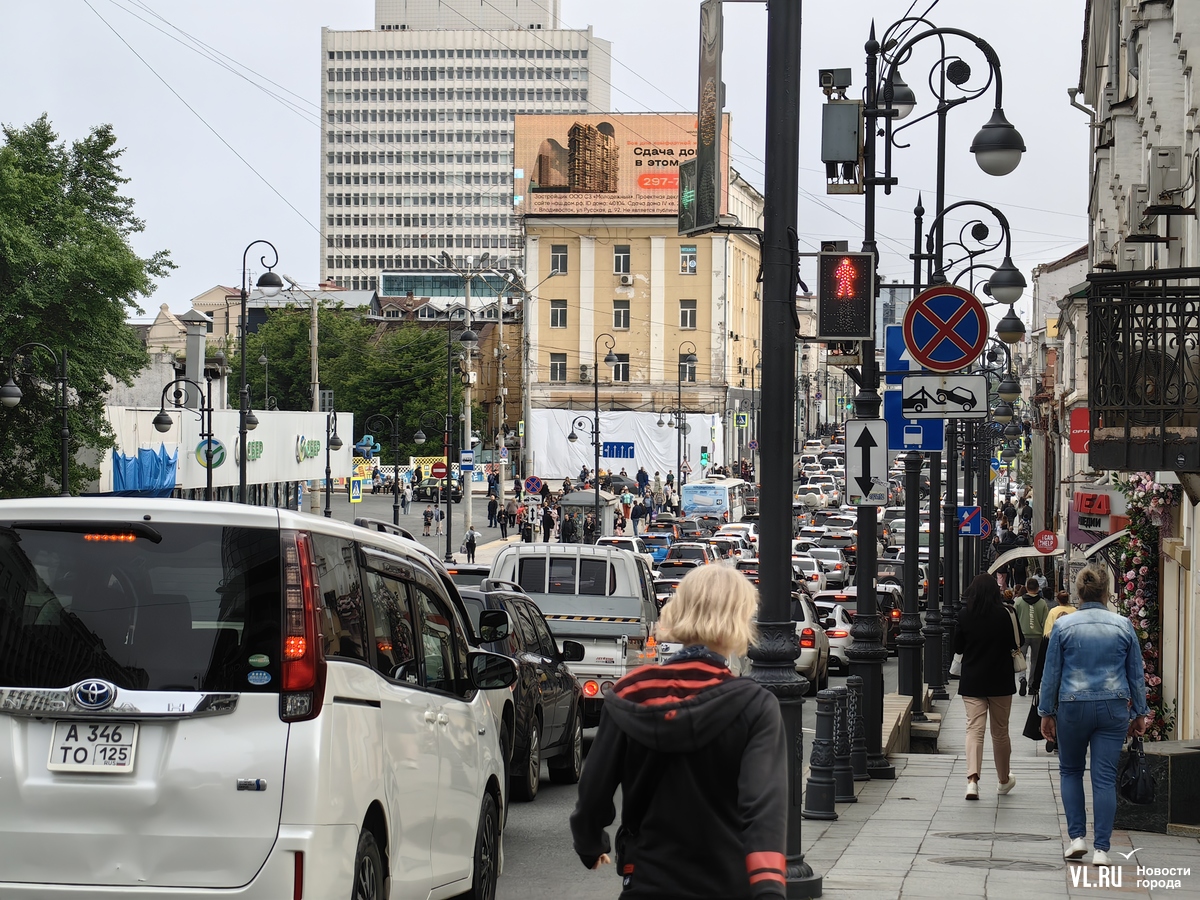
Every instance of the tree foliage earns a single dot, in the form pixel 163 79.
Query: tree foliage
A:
pixel 68 279
pixel 400 372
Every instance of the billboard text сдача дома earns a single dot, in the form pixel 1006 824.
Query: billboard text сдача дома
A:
pixel 618 164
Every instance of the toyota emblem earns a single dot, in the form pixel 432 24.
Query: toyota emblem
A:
pixel 95 694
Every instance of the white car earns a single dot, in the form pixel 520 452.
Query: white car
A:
pixel 630 543
pixel 837 624
pixel 217 700
pixel 828 482
pixel 814 446
pixel 811 571
pixel 811 494
pixel 747 530
pixel 813 661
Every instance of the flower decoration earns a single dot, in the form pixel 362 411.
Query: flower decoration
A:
pixel 1149 505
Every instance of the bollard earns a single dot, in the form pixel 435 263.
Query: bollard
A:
pixel 843 777
pixel 819 792
pixel 858 730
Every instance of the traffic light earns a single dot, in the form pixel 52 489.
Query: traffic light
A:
pixel 704 456
pixel 849 404
pixel 845 296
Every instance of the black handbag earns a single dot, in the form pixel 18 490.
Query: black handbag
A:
pixel 1033 722
pixel 1134 781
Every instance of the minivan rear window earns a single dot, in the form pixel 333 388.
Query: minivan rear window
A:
pixel 169 607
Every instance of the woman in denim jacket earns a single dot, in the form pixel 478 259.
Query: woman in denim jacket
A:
pixel 1092 679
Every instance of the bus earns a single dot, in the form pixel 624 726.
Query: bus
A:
pixel 714 495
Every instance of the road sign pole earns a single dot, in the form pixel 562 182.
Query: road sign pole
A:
pixel 949 610
pixel 867 653
pixel 967 567
pixel 910 641
pixel 933 629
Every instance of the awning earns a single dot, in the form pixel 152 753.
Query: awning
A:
pixel 1020 553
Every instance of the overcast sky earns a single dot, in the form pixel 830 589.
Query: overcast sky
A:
pixel 215 162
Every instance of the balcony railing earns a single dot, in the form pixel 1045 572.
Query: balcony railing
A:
pixel 1144 369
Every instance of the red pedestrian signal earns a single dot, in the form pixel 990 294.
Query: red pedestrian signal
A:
pixel 845 296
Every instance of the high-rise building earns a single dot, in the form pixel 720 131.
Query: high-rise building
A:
pixel 417 154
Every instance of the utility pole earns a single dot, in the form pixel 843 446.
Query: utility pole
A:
pixel 775 654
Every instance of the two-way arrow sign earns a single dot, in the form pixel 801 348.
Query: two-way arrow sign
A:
pixel 866 462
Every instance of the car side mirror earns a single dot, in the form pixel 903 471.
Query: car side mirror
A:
pixel 491 671
pixel 494 625
pixel 572 651
pixel 829 623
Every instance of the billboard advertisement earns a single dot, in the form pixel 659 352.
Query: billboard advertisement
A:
pixel 618 164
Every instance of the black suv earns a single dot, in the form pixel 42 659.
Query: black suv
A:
pixel 546 720
pixel 430 489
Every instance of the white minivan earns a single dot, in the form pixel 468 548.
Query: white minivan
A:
pixel 216 700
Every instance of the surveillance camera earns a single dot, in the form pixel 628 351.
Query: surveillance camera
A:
pixel 835 79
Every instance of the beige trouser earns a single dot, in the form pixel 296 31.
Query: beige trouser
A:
pixel 978 709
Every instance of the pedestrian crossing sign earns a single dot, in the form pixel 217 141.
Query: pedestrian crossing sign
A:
pixel 356 488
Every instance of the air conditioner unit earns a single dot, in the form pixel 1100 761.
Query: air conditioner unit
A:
pixel 583 374
pixel 1166 176
pixel 626 280
pixel 1135 210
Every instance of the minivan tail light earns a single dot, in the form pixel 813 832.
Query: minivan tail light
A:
pixel 303 663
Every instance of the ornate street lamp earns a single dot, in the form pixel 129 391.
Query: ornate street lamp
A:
pixel 10 396
pixel 333 443
pixel 270 284
pixel 393 423
pixel 163 421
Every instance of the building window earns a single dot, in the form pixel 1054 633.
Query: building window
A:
pixel 558 258
pixel 621 259
pixel 558 367
pixel 687 370
pixel 621 369
pixel 620 315
pixel 558 313
pixel 687 259
pixel 687 313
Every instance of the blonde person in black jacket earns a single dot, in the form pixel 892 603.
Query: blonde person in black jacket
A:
pixel 986 636
pixel 709 745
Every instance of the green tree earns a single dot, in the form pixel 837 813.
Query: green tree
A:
pixel 68 279
pixel 399 372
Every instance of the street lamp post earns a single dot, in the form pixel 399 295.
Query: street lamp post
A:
pixel 610 360
pixel 997 148
pixel 269 402
pixel 163 422
pixel 270 284
pixel 686 363
pixel 593 428
pixel 429 420
pixel 469 344
pixel 332 443
pixel 515 281
pixel 10 396
pixel 773 657
pixel 393 422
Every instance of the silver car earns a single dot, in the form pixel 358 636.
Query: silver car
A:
pixel 837 567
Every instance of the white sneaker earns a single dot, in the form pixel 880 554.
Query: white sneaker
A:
pixel 1077 849
pixel 1100 858
pixel 972 790
pixel 1008 785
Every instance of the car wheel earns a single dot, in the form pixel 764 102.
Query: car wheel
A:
pixel 813 687
pixel 368 869
pixel 506 750
pixel 527 777
pixel 567 767
pixel 487 853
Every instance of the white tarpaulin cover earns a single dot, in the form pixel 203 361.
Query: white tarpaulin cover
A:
pixel 628 439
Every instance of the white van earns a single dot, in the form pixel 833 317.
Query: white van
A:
pixel 602 597
pixel 216 700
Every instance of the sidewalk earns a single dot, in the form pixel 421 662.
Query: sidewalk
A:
pixel 917 838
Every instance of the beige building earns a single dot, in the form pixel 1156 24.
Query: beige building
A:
pixel 658 297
